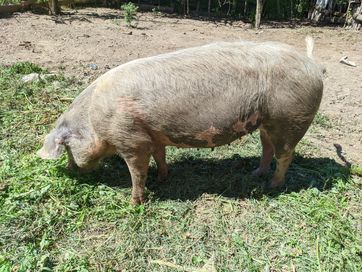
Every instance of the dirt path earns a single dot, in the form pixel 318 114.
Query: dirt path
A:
pixel 71 43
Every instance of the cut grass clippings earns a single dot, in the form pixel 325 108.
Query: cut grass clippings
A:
pixel 210 216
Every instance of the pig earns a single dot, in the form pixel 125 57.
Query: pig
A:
pixel 199 97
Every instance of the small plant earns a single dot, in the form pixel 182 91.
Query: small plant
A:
pixel 25 68
pixel 156 12
pixel 129 10
pixel 322 120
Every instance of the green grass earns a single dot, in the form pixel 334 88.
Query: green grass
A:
pixel 322 121
pixel 9 2
pixel 212 214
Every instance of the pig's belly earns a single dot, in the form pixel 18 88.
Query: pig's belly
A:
pixel 219 133
pixel 210 137
pixel 204 139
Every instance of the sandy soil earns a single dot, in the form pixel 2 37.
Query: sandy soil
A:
pixel 71 43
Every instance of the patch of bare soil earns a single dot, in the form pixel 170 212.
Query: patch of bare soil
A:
pixel 88 42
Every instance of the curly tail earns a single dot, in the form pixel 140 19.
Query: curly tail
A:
pixel 310 46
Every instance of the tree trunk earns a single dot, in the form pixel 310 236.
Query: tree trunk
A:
pixel 198 7
pixel 259 8
pixel 172 4
pixel 209 8
pixel 311 9
pixel 357 18
pixel 235 4
pixel 319 10
pixel 187 7
pixel 245 7
pixel 54 7
pixel 346 21
pixel 291 9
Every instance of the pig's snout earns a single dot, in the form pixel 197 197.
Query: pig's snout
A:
pixel 82 167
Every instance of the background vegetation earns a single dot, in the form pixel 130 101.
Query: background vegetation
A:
pixel 348 12
pixel 272 9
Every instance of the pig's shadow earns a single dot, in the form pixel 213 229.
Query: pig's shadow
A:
pixel 190 178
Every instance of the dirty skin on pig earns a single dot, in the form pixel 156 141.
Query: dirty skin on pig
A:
pixel 200 97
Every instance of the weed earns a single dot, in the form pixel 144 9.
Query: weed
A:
pixel 25 68
pixel 156 12
pixel 322 120
pixel 129 11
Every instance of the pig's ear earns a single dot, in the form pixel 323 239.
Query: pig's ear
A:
pixel 53 145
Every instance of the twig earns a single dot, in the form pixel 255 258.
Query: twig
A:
pixel 318 254
pixel 345 60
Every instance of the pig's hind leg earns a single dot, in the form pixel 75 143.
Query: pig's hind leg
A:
pixel 267 154
pixel 283 162
pixel 159 154
pixel 280 140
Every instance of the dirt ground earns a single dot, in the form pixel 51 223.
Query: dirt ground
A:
pixel 88 42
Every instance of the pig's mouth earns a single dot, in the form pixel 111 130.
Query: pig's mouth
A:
pixel 89 167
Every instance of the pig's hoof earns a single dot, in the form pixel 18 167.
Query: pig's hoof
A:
pixel 137 200
pixel 259 171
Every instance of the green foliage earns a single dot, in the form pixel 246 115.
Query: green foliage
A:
pixel 341 2
pixel 129 11
pixel 211 211
pixel 322 120
pixel 25 68
pixel 156 12
pixel 356 170
pixel 301 7
pixel 272 9
pixel 9 2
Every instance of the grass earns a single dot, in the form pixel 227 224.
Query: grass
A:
pixel 211 216
pixel 322 121
pixel 9 2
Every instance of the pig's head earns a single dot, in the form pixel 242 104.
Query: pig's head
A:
pixel 84 149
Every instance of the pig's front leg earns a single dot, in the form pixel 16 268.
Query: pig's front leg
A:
pixel 138 167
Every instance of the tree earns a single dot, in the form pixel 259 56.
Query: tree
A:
pixel 54 7
pixel 234 6
pixel 259 8
pixel 357 18
pixel 209 8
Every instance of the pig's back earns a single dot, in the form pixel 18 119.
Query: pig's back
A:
pixel 213 86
